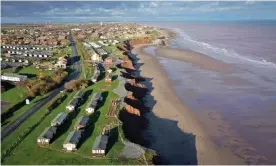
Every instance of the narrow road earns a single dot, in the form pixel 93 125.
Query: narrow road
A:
pixel 16 123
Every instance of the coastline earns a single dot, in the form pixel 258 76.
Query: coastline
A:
pixel 176 132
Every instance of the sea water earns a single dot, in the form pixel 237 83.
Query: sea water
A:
pixel 249 106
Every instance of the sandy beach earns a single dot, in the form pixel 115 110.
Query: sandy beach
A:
pixel 174 130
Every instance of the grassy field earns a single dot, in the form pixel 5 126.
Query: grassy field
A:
pixel 115 52
pixel 59 52
pixel 20 111
pixel 13 95
pixel 33 71
pixel 7 70
pixel 27 152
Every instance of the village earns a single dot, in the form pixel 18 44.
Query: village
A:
pixel 103 100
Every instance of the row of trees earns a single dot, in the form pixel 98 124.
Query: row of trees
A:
pixel 42 85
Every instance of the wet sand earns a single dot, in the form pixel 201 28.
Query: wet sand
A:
pixel 197 59
pixel 175 131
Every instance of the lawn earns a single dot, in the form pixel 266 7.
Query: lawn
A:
pixel 7 70
pixel 30 70
pixel 115 52
pixel 10 97
pixel 7 120
pixel 59 52
pixel 27 152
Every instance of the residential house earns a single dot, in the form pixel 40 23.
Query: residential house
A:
pixel 79 95
pixel 72 104
pixel 47 135
pixel 94 56
pixel 62 62
pixel 82 122
pixel 108 79
pixel 102 43
pixel 61 37
pixel 95 100
pixel 63 42
pixel 101 52
pixel 95 76
pixel 75 29
pixel 99 146
pixel 38 54
pixel 86 45
pixel 94 45
pixel 75 101
pixel 59 119
pixel 108 61
pixel 13 77
pixel 72 140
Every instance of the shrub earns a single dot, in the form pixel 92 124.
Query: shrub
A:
pixel 40 86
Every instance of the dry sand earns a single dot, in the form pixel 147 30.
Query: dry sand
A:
pixel 195 58
pixel 175 132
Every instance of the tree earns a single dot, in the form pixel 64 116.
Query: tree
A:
pixel 41 75
pixel 72 85
pixel 76 84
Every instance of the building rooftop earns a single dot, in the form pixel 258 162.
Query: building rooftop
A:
pixel 79 94
pixel 83 120
pixel 48 133
pixel 13 75
pixel 73 137
pixel 94 100
pixel 74 101
pixel 59 118
pixel 97 96
pixel 100 142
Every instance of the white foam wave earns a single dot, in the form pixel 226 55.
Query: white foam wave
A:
pixel 222 51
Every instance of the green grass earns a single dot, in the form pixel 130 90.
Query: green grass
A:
pixel 114 51
pixel 13 95
pixel 59 52
pixel 19 112
pixel 34 71
pixel 27 152
pixel 7 70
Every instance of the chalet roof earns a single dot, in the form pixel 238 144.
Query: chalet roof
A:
pixel 79 94
pixel 13 75
pixel 83 120
pixel 94 100
pixel 92 104
pixel 60 118
pixel 48 133
pixel 100 142
pixel 74 101
pixel 101 51
pixel 97 96
pixel 73 137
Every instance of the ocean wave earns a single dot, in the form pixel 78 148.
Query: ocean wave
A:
pixel 222 51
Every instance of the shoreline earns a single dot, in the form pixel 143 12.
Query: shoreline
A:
pixel 177 135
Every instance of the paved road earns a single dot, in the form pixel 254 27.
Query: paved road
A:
pixel 16 123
